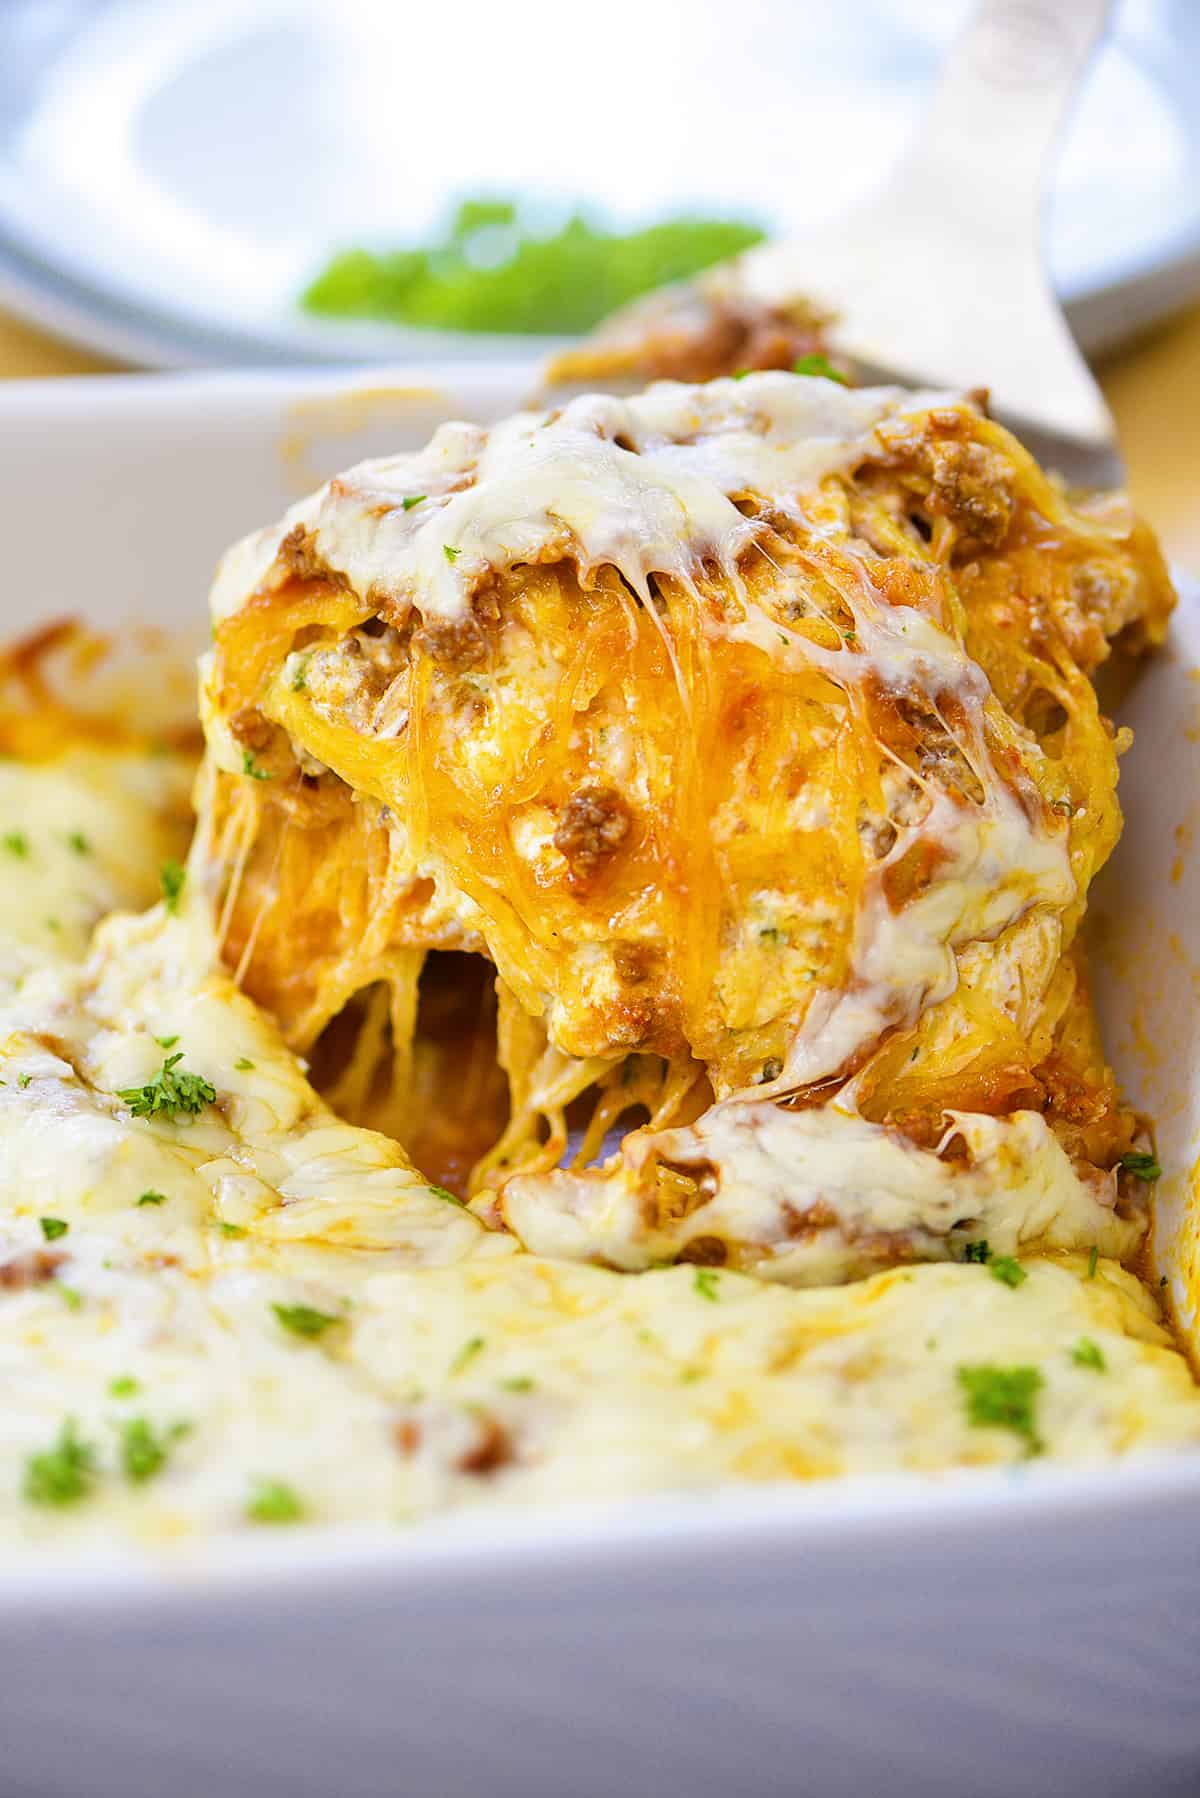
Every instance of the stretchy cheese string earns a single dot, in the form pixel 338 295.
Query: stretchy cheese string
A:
pixel 767 630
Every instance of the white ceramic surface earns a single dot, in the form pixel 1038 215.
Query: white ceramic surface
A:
pixel 1034 1632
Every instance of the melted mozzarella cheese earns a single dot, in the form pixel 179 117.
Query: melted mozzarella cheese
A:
pixel 458 1369
pixel 80 836
pixel 644 485
pixel 816 1197
pixel 995 866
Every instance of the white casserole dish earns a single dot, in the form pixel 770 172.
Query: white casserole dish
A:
pixel 1034 1631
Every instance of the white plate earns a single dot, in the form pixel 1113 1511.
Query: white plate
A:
pixel 171 174
pixel 975 1636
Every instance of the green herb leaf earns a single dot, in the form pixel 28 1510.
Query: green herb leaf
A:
pixel 450 554
pixel 150 1197
pixel 78 842
pixel 1087 1353
pixel 169 1092
pixel 439 1192
pixel 1141 1164
pixel 978 1252
pixel 414 499
pixel 1093 1258
pixel 124 1386
pixel 234 1230
pixel 467 1354
pixel 242 1063
pixel 518 1383
pixel 1007 1270
pixel 166 1042
pixel 17 843
pixel 71 1299
pixel 1003 1398
pixel 61 1475
pixel 144 1449
pixel 706 1282
pixel 171 877
pixel 272 1501
pixel 300 674
pixel 816 364
pixel 303 1320
pixel 23 1080
pixel 53 1227
pixel 251 767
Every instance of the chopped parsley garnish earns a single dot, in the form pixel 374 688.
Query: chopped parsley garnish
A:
pixel 272 1501
pixel 451 554
pixel 150 1197
pixel 1008 1270
pixel 23 1080
pixel 440 1192
pixel 1003 1398
pixel 467 1354
pixel 303 1320
pixel 235 1230
pixel 1093 1258
pixel 978 1252
pixel 144 1450
pixel 61 1475
pixel 816 364
pixel 169 1092
pixel 171 877
pixel 1087 1353
pixel 17 843
pixel 300 675
pixel 251 767
pixel 1141 1164
pixel 78 842
pixel 520 1382
pixel 71 1299
pixel 166 1042
pixel 124 1386
pixel 706 1283
pixel 414 499
pixel 242 1063
pixel 53 1227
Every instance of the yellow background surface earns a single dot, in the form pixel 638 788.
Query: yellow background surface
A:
pixel 1153 388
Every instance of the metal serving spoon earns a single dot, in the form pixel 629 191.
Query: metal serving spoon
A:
pixel 939 278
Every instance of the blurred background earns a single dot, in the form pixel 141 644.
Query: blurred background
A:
pixel 189 183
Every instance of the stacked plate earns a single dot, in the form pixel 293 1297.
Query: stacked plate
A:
pixel 171 175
